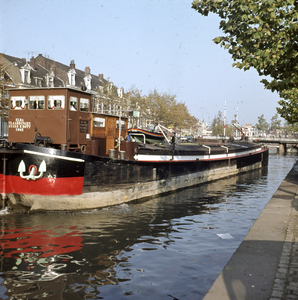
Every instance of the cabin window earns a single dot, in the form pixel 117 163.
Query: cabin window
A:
pixel 36 102
pixel 17 102
pixel 84 104
pixel 56 102
pixel 122 124
pixel 99 122
pixel 73 103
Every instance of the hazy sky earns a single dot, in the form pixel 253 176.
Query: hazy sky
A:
pixel 152 44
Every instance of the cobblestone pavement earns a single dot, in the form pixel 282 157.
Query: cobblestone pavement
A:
pixel 286 279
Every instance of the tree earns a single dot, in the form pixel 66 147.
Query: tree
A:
pixel 5 84
pixel 290 129
pixel 262 125
pixel 289 105
pixel 180 116
pixel 217 124
pixel 154 108
pixel 275 123
pixel 262 35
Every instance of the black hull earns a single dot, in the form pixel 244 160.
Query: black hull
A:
pixel 99 173
pixel 72 181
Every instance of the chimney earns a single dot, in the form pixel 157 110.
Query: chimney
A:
pixel 87 71
pixel 32 62
pixel 72 64
pixel 100 76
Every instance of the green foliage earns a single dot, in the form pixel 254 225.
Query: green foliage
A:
pixel 156 107
pixel 262 124
pixel 290 128
pixel 5 83
pixel 218 126
pixel 261 34
pixel 165 109
pixel 289 105
pixel 275 123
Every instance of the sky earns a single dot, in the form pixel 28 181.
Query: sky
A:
pixel 149 44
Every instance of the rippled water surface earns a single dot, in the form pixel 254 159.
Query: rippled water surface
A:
pixel 170 247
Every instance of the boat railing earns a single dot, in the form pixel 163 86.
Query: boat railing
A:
pixel 141 134
pixel 208 148
pixel 225 148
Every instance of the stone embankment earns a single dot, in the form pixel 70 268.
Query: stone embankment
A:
pixel 265 265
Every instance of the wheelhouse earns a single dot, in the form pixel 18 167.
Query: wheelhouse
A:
pixel 62 118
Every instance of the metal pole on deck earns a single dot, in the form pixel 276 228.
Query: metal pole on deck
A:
pixel 119 141
pixel 225 120
pixel 4 182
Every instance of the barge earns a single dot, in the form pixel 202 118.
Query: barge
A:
pixel 60 155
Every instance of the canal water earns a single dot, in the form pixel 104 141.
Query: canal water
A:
pixel 170 247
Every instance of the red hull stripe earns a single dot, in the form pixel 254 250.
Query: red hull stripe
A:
pixel 43 186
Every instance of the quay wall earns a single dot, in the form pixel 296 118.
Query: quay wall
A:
pixel 261 266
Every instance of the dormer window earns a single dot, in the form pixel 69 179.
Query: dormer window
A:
pixel 26 77
pixel 38 82
pixel 120 92
pixel 87 80
pixel 50 79
pixel 25 73
pixel 72 77
pixel 51 82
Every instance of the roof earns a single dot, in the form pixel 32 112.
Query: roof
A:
pixel 40 67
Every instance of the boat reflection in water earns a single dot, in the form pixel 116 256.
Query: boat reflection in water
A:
pixel 78 255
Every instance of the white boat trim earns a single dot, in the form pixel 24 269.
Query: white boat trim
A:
pixel 179 158
pixel 54 156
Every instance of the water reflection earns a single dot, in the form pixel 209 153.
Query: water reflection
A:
pixel 161 248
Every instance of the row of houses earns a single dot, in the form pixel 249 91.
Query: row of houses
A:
pixel 41 71
pixel 44 72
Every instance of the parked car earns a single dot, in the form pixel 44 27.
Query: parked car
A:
pixel 187 138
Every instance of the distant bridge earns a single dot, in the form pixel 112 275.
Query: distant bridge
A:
pixel 282 142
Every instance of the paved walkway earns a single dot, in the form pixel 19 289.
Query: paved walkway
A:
pixel 265 265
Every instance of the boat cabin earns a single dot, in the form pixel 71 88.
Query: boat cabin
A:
pixel 62 118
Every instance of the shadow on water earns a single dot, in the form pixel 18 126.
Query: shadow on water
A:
pixel 163 248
